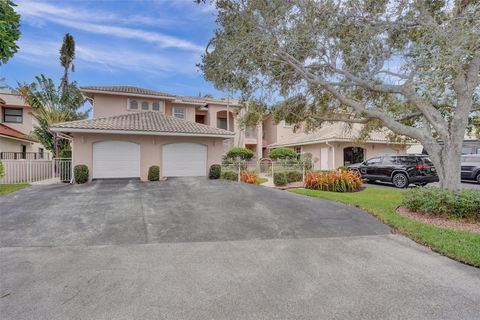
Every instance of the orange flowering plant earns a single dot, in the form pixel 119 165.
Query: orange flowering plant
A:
pixel 337 180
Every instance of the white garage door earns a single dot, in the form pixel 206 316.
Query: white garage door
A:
pixel 116 159
pixel 184 160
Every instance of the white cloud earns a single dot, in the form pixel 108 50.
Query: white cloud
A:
pixel 109 59
pixel 74 18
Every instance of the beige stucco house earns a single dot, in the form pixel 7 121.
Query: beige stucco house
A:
pixel 134 128
pixel 16 128
pixel 331 146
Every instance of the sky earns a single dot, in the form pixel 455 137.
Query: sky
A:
pixel 154 44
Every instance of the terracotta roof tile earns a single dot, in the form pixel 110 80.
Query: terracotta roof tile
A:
pixel 148 121
pixel 10 132
pixel 128 90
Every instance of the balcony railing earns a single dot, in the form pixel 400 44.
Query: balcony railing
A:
pixel 24 156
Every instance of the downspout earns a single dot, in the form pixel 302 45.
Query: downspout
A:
pixel 333 151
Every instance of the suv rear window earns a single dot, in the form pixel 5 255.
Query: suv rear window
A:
pixel 427 161
pixel 470 159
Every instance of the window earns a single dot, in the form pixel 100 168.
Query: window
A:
pixel 133 104
pixel 222 123
pixel 144 105
pixel 179 113
pixel 286 124
pixel 352 155
pixel 12 115
pixel 373 161
pixel 157 106
pixel 390 161
pixel 40 153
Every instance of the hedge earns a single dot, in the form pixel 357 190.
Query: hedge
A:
pixel 154 173
pixel 80 173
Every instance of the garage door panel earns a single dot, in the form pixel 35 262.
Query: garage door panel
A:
pixel 184 160
pixel 116 159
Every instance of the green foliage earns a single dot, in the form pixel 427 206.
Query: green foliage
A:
pixel 215 171
pixel 240 153
pixel 383 202
pixel 331 61
pixel 230 175
pixel 294 175
pixel 154 173
pixel 434 201
pixel 80 172
pixel 9 30
pixel 67 54
pixel 66 152
pixel 2 169
pixel 280 178
pixel 282 153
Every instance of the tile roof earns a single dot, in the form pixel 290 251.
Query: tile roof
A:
pixel 142 91
pixel 10 132
pixel 337 131
pixel 147 122
pixel 128 90
pixel 2 102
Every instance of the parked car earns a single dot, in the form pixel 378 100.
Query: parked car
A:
pixel 471 167
pixel 401 170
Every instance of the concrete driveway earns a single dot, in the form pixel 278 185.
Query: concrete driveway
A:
pixel 195 249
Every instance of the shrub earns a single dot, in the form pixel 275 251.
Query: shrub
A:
pixel 282 153
pixel 434 201
pixel 240 153
pixel 80 173
pixel 338 181
pixel 2 170
pixel 249 177
pixel 229 175
pixel 279 178
pixel 294 175
pixel 154 173
pixel 342 168
pixel 215 171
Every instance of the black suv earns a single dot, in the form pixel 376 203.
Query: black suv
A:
pixel 471 167
pixel 401 170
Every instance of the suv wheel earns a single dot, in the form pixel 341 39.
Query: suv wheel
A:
pixel 478 178
pixel 400 180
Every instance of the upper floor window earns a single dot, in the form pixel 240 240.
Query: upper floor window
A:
pixel 222 123
pixel 157 106
pixel 12 115
pixel 133 105
pixel 144 105
pixel 179 112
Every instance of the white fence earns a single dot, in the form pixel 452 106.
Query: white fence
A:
pixel 28 171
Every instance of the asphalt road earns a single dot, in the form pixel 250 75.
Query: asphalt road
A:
pixel 199 249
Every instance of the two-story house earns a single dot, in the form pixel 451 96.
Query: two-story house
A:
pixel 16 128
pixel 134 128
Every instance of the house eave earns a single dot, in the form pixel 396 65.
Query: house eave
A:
pixel 128 94
pixel 334 140
pixel 17 139
pixel 143 133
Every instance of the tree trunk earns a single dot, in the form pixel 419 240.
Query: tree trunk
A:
pixel 447 161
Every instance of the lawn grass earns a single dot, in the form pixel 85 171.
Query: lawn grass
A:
pixel 261 180
pixel 381 202
pixel 8 188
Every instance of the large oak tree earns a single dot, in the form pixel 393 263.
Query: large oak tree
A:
pixel 410 66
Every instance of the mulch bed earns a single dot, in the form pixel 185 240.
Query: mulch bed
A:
pixel 440 221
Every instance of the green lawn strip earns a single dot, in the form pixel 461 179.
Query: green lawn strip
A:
pixel 8 188
pixel 262 180
pixel 382 202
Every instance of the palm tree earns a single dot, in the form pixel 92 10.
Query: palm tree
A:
pixel 67 54
pixel 52 105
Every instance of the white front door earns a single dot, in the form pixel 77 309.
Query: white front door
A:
pixel 116 159
pixel 184 159
pixel 324 159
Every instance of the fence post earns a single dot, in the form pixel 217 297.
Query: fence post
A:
pixel 239 165
pixel 303 174
pixel 53 168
